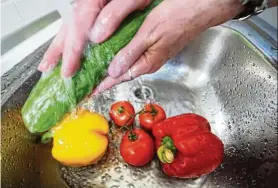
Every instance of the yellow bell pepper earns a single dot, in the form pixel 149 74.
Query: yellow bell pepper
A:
pixel 81 140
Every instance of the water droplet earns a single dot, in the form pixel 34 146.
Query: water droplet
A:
pixel 134 175
pixel 265 142
pixel 222 165
pixel 105 178
pixel 130 185
pixel 121 177
pixel 118 169
pixel 244 171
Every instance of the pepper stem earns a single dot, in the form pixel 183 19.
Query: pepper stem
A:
pixel 165 155
pixel 166 152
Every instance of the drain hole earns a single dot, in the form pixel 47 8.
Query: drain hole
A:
pixel 143 93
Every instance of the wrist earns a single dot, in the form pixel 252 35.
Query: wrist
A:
pixel 225 10
pixel 208 13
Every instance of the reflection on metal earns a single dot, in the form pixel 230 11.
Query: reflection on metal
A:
pixel 260 33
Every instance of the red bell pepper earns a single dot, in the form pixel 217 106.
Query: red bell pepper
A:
pixel 186 147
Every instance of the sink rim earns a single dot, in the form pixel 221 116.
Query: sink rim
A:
pixel 261 34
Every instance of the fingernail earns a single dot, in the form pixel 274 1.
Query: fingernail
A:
pixel 116 67
pixel 65 70
pixel 98 33
pixel 43 66
pixel 98 89
pixel 65 73
pixel 95 92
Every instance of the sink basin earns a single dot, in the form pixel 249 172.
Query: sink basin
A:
pixel 228 75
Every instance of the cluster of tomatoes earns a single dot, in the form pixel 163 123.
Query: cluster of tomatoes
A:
pixel 137 145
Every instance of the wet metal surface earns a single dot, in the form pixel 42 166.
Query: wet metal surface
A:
pixel 220 76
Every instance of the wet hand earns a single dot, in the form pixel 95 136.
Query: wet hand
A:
pixel 165 31
pixel 89 19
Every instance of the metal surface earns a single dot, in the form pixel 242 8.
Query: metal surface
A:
pixel 220 75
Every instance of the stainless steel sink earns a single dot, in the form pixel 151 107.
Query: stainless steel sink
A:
pixel 228 75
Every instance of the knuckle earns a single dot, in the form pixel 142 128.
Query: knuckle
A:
pixel 148 66
pixel 143 3
pixel 153 70
pixel 107 17
pixel 98 4
pixel 153 34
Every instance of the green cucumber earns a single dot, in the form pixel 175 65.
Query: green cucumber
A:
pixel 54 96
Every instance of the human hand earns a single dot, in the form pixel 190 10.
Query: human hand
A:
pixel 165 31
pixel 70 41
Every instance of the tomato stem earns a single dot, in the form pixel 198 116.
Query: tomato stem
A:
pixel 121 110
pixel 139 112
pixel 153 111
pixel 133 116
pixel 132 136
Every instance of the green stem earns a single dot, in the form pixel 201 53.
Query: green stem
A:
pixel 132 136
pixel 120 110
pixel 141 111
pixel 47 137
pixel 166 152
pixel 165 155
pixel 154 111
pixel 131 117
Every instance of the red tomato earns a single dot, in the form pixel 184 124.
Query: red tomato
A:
pixel 137 147
pixel 152 114
pixel 122 113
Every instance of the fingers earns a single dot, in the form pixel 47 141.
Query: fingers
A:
pixel 147 63
pixel 126 57
pixel 111 17
pixel 146 53
pixel 54 52
pixel 84 15
pixel 145 37
pixel 74 45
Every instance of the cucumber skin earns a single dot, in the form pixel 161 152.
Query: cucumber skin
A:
pixel 54 96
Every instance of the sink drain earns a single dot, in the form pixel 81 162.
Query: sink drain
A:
pixel 143 93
